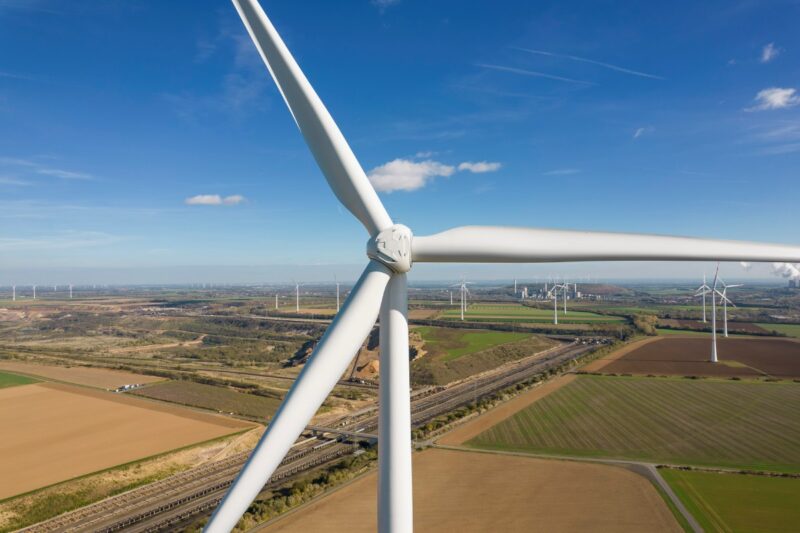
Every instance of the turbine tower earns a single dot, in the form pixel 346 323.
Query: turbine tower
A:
pixel 725 301
pixel 337 296
pixel 276 300
pixel 703 289
pixel 297 297
pixel 13 293
pixel 382 291
pixel 554 294
pixel 70 291
pixel 34 292
pixel 714 317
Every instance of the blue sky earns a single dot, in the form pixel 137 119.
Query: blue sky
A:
pixel 675 118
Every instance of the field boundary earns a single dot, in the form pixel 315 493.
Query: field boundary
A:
pixel 599 364
pixel 143 403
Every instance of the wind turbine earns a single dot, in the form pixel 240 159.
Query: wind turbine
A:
pixel 276 300
pixel 714 317
pixel 725 301
pixel 297 297
pixel 70 291
pixel 34 292
pixel 703 289
pixel 554 294
pixel 565 290
pixel 13 293
pixel 462 287
pixel 382 291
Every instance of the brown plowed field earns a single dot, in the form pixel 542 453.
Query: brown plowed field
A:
pixel 53 432
pixel 465 492
pixel 699 325
pixel 104 378
pixel 684 356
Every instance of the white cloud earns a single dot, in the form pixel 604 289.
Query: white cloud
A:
pixel 479 167
pixel 383 4
pixel 642 131
pixel 234 199
pixel 769 52
pixel 38 168
pixel 775 98
pixel 5 180
pixel 215 199
pixel 561 172
pixel 406 175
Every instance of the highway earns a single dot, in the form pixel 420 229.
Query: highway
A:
pixel 165 504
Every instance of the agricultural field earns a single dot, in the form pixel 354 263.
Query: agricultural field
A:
pixel 450 354
pixel 220 399
pixel 739 357
pixel 715 500
pixel 103 378
pixel 695 422
pixel 12 380
pixel 522 314
pixel 80 431
pixel 450 344
pixel 790 330
pixel 698 325
pixel 473 492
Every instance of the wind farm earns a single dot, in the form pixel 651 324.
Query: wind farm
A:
pixel 268 332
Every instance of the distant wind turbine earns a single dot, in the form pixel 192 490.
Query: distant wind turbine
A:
pixel 725 301
pixel 382 291
pixel 703 289
pixel 714 317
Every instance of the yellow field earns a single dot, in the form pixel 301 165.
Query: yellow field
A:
pixel 53 432
pixel 104 378
pixel 470 492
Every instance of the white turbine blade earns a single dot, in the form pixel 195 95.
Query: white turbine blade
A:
pixel 716 276
pixel 331 151
pixel 326 365
pixel 496 244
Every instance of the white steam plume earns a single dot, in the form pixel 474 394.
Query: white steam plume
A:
pixel 786 270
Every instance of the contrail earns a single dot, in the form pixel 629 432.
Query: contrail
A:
pixel 532 73
pixel 593 62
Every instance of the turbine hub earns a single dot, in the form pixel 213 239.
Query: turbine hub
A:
pixel 392 247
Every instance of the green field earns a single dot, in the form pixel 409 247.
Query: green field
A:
pixel 453 353
pixel 211 397
pixel 792 330
pixel 736 502
pixel 682 332
pixel 520 313
pixel 716 423
pixel 11 380
pixel 456 343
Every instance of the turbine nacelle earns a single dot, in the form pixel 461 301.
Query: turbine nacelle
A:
pixel 392 248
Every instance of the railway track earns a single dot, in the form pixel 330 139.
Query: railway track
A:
pixel 162 505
